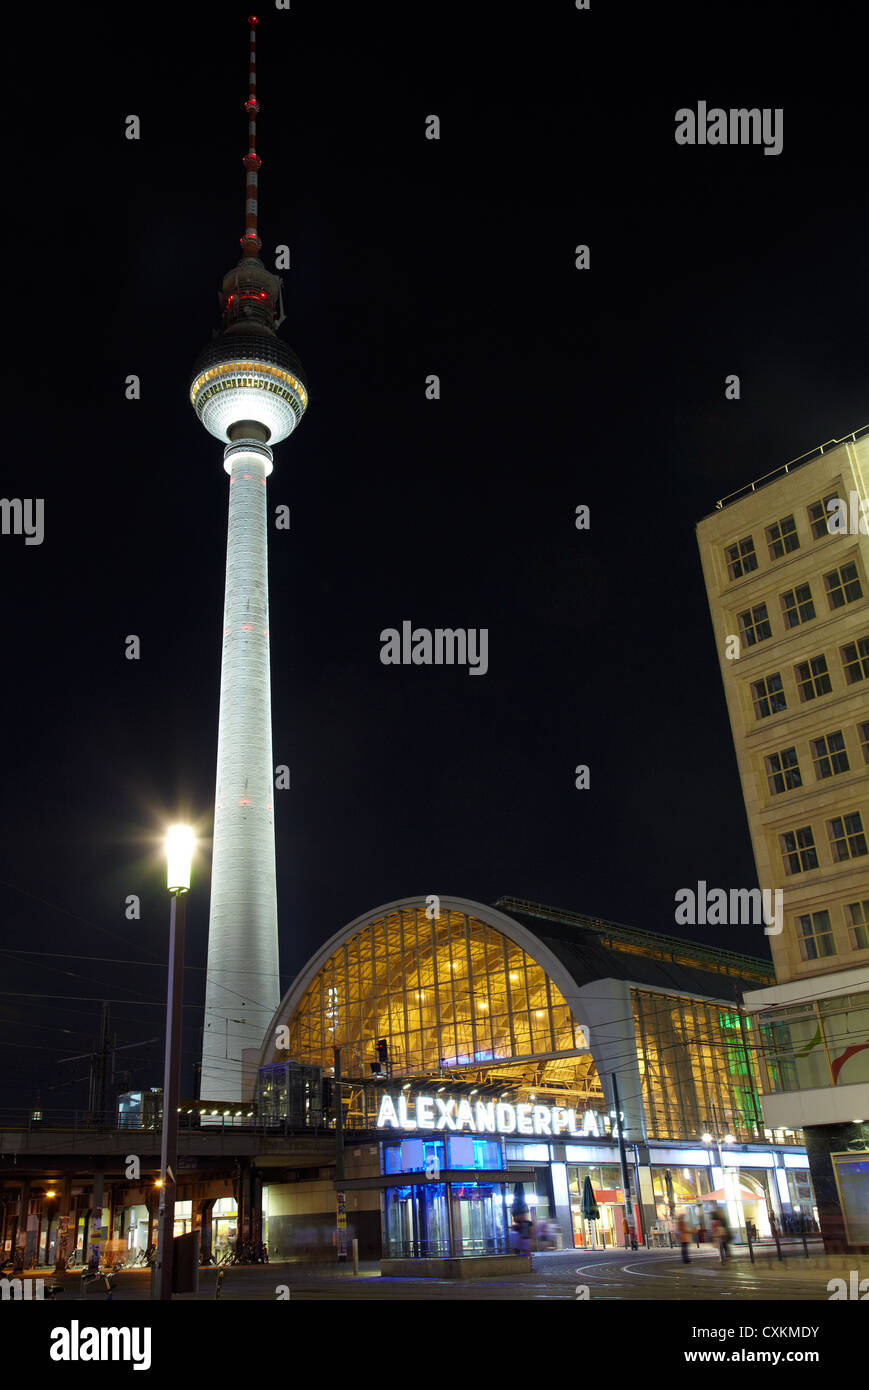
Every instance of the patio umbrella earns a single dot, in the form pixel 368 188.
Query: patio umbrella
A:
pixel 741 1194
pixel 671 1199
pixel 588 1205
pixel 520 1206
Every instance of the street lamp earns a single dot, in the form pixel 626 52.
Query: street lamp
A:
pixel 727 1175
pixel 179 852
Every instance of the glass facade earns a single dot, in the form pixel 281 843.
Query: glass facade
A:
pixel 822 1043
pixel 693 1056
pixel 852 1180
pixel 606 1181
pixel 678 1188
pixel 449 997
pixel 453 997
pixel 442 993
pixel 290 1093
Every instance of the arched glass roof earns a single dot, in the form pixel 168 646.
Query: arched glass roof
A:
pixel 443 992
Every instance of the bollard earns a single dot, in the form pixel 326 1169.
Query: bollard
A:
pixel 777 1240
pixel 805 1246
pixel 750 1245
pixel 355 1248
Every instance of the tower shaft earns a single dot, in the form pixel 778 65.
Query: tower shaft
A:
pixel 243 985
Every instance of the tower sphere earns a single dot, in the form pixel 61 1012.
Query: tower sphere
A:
pixel 247 374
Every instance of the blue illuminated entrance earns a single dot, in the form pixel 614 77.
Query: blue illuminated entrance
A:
pixel 443 1209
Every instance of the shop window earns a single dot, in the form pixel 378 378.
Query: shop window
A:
pixel 392 1158
pixel 465 1151
pixel 461 1152
pixel 529 1153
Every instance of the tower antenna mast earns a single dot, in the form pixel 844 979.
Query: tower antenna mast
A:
pixel 250 242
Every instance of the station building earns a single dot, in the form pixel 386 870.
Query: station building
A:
pixel 478 1048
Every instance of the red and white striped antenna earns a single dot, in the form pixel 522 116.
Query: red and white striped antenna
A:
pixel 250 242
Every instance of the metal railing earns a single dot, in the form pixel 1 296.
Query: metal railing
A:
pixel 635 935
pixel 19 1120
pixel 785 468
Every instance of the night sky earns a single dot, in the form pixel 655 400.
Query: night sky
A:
pixel 559 387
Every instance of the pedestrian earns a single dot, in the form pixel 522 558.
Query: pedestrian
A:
pixel 683 1235
pixel 628 1234
pixel 721 1233
pixel 700 1233
pixel 522 1231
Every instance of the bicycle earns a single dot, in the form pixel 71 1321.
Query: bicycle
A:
pixel 222 1264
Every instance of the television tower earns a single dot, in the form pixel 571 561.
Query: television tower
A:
pixel 249 391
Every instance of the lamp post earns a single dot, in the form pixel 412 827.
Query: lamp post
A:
pixel 716 1139
pixel 179 850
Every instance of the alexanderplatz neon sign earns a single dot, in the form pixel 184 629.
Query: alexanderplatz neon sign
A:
pixel 435 1113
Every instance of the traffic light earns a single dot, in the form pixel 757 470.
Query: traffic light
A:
pixel 382 1063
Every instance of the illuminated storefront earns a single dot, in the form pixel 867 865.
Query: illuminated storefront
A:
pixel 224 1218
pixel 494 1034
pixel 448 1197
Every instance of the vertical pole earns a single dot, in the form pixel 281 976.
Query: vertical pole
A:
pixel 623 1157
pixel 95 1237
pixel 61 1249
pixel 340 1195
pixel 758 1117
pixel 162 1285
pixel 414 1220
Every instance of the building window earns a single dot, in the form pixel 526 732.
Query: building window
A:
pixel 782 538
pixel 741 558
pixel 855 659
pixel 819 516
pixel 816 935
pixel 754 625
pixel 783 771
pixel 829 755
pixel 847 840
pixel 768 696
pixel 857 915
pixel 843 585
pixel 797 606
pixel 863 735
pixel 798 850
pixel 813 678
